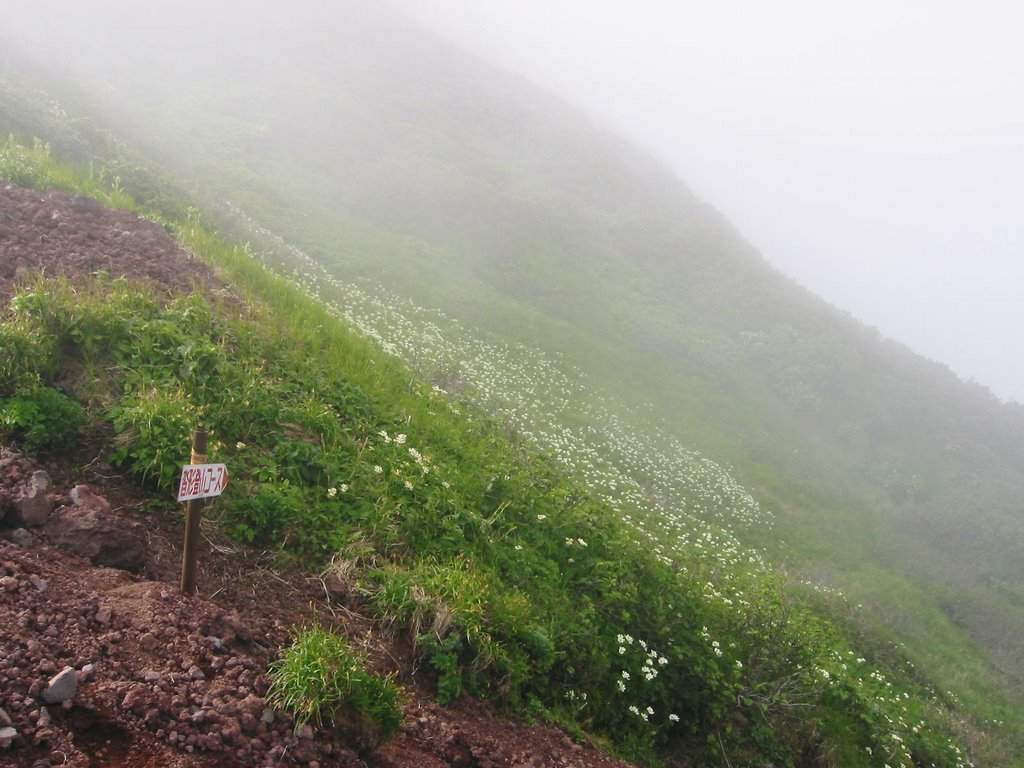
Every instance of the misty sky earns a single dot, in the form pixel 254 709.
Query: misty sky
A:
pixel 873 150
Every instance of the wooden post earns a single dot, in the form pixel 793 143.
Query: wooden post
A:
pixel 193 516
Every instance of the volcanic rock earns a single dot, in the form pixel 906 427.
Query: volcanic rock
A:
pixel 92 531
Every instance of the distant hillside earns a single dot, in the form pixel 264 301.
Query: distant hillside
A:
pixel 394 159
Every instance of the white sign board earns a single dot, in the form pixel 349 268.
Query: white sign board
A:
pixel 201 481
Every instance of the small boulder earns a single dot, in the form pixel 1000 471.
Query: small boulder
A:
pixel 63 687
pixel 95 533
pixel 41 480
pixel 83 496
pixel 20 537
pixel 85 674
pixel 7 736
pixel 33 508
pixel 38 582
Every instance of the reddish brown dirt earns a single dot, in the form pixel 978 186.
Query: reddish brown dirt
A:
pixel 75 237
pixel 167 680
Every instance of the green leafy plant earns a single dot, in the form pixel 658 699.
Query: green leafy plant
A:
pixel 444 657
pixel 319 679
pixel 154 428
pixel 41 419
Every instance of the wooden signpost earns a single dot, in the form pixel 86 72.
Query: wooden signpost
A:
pixel 199 481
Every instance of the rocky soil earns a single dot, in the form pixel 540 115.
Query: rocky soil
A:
pixel 104 662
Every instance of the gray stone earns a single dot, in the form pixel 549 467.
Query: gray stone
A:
pixel 41 480
pixel 34 508
pixel 21 537
pixel 85 674
pixel 63 686
pixel 5 719
pixel 83 496
pixel 38 582
pixel 6 737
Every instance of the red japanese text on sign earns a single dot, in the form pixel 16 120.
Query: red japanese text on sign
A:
pixel 200 481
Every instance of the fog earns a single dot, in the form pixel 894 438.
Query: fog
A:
pixel 873 151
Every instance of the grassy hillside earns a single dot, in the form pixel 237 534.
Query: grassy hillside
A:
pixel 512 580
pixel 391 160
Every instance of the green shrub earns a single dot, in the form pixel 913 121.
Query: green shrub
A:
pixel 444 656
pixel 25 356
pixel 42 419
pixel 154 431
pixel 22 165
pixel 320 679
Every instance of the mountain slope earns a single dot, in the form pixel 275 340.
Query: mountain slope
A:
pixel 392 158
pixel 456 535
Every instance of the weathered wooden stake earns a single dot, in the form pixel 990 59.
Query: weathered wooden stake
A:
pixel 193 516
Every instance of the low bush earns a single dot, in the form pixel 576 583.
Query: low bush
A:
pixel 319 679
pixel 41 419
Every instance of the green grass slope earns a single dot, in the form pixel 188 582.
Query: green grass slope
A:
pixel 513 582
pixel 390 159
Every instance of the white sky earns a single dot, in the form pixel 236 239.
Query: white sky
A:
pixel 873 150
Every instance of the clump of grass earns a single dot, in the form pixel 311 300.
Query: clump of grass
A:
pixel 320 680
